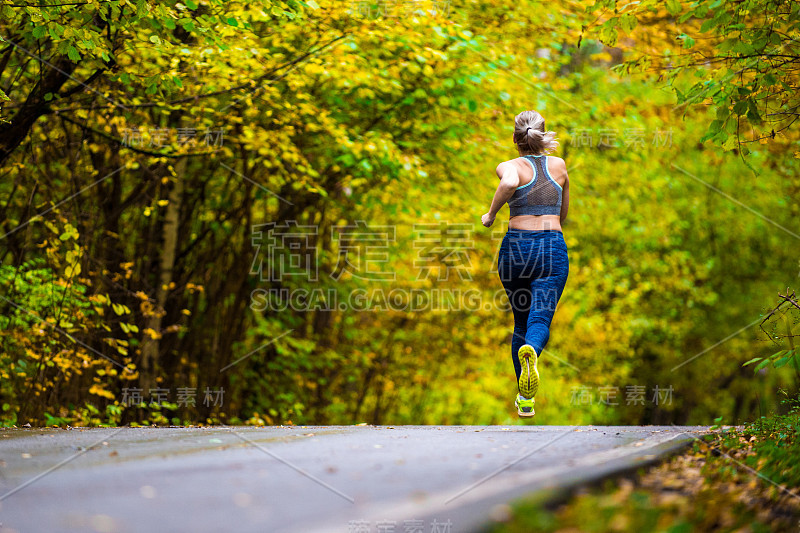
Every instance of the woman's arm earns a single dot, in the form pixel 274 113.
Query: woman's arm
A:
pixel 565 197
pixel 509 181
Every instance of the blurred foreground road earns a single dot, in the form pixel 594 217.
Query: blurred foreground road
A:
pixel 397 479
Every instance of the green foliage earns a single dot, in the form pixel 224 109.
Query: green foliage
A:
pixel 778 359
pixel 774 442
pixel 737 478
pixel 42 316
pixel 45 311
pixel 745 55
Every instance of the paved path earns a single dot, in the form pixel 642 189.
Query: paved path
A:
pixel 301 478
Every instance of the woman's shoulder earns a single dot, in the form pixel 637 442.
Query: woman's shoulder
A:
pixel 510 163
pixel 556 165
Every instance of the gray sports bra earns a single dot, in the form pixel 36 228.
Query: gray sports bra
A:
pixel 541 195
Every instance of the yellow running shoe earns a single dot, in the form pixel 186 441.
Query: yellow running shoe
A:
pixel 529 377
pixel 524 406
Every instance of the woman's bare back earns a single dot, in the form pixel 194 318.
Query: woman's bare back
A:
pixel 557 169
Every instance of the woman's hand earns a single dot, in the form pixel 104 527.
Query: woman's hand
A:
pixel 487 219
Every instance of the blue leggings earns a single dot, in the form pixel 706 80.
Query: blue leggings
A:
pixel 533 267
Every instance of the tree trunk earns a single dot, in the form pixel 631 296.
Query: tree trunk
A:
pixel 169 233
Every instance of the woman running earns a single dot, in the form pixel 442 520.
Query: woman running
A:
pixel 533 265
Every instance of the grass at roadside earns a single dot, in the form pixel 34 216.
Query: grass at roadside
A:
pixel 743 478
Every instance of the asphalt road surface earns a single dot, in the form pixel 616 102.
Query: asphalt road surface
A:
pixel 388 479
